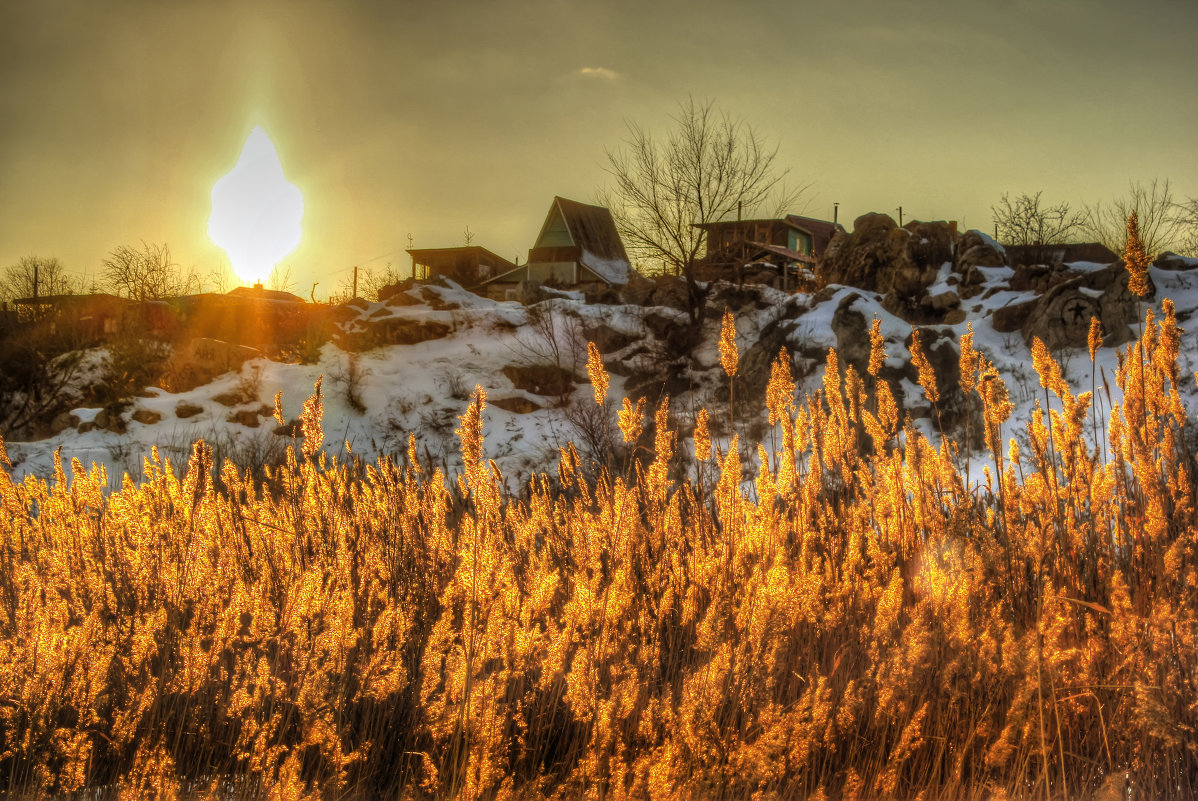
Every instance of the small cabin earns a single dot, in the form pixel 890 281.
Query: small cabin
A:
pixel 578 249
pixel 468 266
pixel 783 243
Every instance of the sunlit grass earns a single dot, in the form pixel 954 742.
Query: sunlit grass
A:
pixel 859 623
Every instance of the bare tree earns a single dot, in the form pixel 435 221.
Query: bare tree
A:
pixel 1153 204
pixel 147 274
pixel 1186 216
pixel 707 168
pixel 1026 220
pixel 36 275
pixel 280 279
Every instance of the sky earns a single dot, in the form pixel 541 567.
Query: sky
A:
pixel 422 119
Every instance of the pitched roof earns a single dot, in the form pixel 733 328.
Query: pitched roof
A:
pixel 593 231
pixel 257 292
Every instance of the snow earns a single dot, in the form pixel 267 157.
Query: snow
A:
pixel 424 388
pixel 613 271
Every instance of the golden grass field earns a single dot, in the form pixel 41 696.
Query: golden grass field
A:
pixel 859 624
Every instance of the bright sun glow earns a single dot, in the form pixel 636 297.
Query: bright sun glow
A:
pixel 256 213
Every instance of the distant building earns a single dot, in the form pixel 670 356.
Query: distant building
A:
pixel 468 266
pixel 783 244
pixel 578 249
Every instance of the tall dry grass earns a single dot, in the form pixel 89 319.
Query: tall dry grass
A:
pixel 862 624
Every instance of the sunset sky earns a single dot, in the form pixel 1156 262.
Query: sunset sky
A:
pixel 423 118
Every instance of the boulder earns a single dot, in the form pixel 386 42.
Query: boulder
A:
pixel 932 242
pixel 1174 263
pixel 184 410
pixel 246 417
pixel 607 339
pixel 514 404
pixel 852 334
pixel 1061 316
pixel 880 256
pixel 978 250
pixel 146 417
pixel 638 291
pixel 540 379
pixel 62 421
pixel 1010 318
pixel 941 349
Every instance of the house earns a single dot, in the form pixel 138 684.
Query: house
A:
pixel 253 316
pixel 782 243
pixel 93 317
pixel 468 266
pixel 578 249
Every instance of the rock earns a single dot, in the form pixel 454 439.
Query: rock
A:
pixel 1061 316
pixel 62 421
pixel 880 256
pixel 290 429
pixel 638 291
pixel 855 259
pixel 1038 278
pixel 247 417
pixel 932 243
pixel 514 404
pixel 1174 263
pixel 978 250
pixel 1010 318
pixel 852 334
pixel 659 324
pixel 944 301
pixel 394 331
pixel 111 418
pixel 396 294
pixel 671 292
pixel 943 355
pixel 607 339
pixel 540 379
pixel 146 417
pixel 184 410
pixel 954 317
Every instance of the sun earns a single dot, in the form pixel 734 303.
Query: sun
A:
pixel 256 213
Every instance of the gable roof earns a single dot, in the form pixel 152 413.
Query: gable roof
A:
pixel 258 292
pixel 593 231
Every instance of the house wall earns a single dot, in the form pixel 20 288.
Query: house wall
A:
pixel 800 241
pixel 558 272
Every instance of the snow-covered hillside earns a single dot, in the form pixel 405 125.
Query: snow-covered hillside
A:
pixel 508 349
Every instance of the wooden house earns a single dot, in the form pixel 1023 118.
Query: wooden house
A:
pixel 782 244
pixel 468 266
pixel 577 249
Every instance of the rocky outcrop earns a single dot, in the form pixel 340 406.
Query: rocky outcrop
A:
pixel 540 379
pixel 666 290
pixel 1174 263
pixel 899 263
pixel 977 250
pixel 1061 316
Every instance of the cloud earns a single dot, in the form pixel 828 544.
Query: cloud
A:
pixel 600 73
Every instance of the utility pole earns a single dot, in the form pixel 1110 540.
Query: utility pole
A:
pixel 900 211
pixel 35 280
pixel 355 280
pixel 835 213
